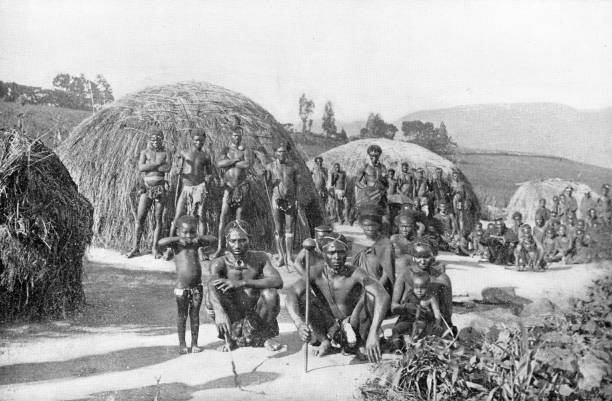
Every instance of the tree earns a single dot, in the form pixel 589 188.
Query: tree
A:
pixel 342 135
pixel 376 127
pixel 329 121
pixel 306 109
pixel 86 94
pixel 435 139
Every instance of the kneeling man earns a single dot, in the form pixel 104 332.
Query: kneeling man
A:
pixel 336 291
pixel 242 291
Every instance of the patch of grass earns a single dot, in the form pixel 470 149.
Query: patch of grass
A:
pixel 51 123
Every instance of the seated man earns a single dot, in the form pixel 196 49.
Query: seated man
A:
pixel 528 252
pixel 440 286
pixel 501 244
pixel 563 243
pixel 549 247
pixel 410 230
pixel 335 292
pixel 580 251
pixel 539 229
pixel 242 291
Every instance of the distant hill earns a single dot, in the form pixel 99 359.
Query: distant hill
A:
pixel 50 122
pixel 542 128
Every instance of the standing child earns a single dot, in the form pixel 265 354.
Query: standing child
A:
pixel 188 290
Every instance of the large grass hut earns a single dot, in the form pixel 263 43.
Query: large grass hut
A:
pixel 525 199
pixel 45 227
pixel 102 156
pixel 353 155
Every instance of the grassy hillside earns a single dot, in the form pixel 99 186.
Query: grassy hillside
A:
pixel 542 128
pixel 495 175
pixel 51 123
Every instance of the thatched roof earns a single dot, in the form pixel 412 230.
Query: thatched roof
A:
pixel 45 226
pixel 525 199
pixel 102 153
pixel 353 155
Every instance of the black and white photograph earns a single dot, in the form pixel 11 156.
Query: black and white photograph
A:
pixel 305 200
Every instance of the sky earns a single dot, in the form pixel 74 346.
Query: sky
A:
pixel 390 57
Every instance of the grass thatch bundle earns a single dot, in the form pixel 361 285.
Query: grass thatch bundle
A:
pixel 353 156
pixel 525 199
pixel 45 226
pixel 102 156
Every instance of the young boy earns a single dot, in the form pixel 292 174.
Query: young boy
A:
pixel 563 243
pixel 478 248
pixel 419 313
pixel 549 247
pixel 528 252
pixel 188 291
pixel 542 211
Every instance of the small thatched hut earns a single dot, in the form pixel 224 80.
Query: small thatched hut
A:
pixel 352 157
pixel 45 227
pixel 102 155
pixel 525 199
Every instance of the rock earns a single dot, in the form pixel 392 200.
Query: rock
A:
pixel 533 314
pixel 503 296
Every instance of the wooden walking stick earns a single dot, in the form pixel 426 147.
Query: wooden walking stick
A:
pixel 308 245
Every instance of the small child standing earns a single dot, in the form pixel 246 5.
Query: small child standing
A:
pixel 188 290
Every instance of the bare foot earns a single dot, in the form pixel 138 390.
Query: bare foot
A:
pixel 272 344
pixel 324 348
pixel 183 349
pixel 195 349
pixel 361 354
pixel 168 255
pixel 133 253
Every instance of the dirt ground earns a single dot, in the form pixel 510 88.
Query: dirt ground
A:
pixel 124 340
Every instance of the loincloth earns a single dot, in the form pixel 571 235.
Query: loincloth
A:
pixel 194 196
pixel 285 206
pixel 191 291
pixel 370 196
pixel 156 192
pixel 238 195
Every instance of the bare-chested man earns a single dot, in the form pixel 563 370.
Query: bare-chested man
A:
pixel 447 226
pixel 154 162
pixel 405 181
pixel 235 161
pixel 196 177
pixel 282 179
pixel 587 204
pixel 439 191
pixel 319 177
pixel 371 182
pixel 338 186
pixel 243 292
pixel 336 290
pixel 571 204
pixel 316 254
pixel 542 211
pixel 420 191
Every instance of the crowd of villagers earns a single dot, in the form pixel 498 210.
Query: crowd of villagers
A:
pixel 341 295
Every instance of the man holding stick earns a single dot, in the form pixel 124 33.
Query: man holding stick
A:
pixel 335 291
pixel 282 177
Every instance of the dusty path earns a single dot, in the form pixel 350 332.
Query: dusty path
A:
pixel 125 339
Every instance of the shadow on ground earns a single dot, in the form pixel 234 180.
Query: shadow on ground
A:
pixel 184 392
pixel 116 361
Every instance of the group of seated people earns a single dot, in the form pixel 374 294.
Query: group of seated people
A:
pixel 558 235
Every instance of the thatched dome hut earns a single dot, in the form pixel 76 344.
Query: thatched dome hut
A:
pixel 102 155
pixel 45 227
pixel 525 199
pixel 352 157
